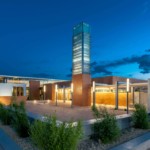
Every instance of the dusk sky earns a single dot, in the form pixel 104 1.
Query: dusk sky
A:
pixel 36 37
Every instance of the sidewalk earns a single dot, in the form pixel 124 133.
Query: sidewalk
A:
pixel 139 143
pixel 144 146
pixel 6 143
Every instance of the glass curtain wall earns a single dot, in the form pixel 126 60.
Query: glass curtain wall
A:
pixel 81 49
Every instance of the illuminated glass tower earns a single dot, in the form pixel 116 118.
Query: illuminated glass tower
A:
pixel 81 49
pixel 81 77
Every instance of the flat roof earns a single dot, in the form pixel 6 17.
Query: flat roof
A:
pixel 31 78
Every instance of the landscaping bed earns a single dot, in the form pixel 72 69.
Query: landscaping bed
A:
pixel 126 135
pixel 49 135
pixel 24 143
pixel 86 144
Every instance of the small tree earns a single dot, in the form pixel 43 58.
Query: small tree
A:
pixel 13 97
pixel 50 135
pixel 105 129
pixel 140 117
pixel 20 120
pixel 5 115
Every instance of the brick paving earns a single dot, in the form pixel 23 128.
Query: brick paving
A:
pixel 63 111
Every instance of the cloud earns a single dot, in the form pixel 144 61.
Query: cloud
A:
pixel 106 67
pixel 144 64
pixel 141 75
pixel 96 68
pixel 69 75
pixel 147 50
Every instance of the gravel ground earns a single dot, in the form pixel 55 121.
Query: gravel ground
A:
pixel 125 136
pixel 24 143
pixel 86 144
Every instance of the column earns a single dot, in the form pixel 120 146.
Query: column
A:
pixel 148 99
pixel 132 94
pixel 116 95
pixel 64 94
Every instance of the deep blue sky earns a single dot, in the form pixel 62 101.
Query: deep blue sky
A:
pixel 36 37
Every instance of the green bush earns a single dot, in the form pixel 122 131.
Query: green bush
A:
pixel 105 129
pixel 20 120
pixel 5 116
pixel 96 112
pixel 140 117
pixel 50 135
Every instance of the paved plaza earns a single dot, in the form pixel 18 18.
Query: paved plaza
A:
pixel 63 111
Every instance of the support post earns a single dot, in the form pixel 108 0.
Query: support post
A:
pixel 116 95
pixel 93 94
pixel 56 93
pixel 128 88
pixel 148 99
pixel 132 93
pixel 127 102
pixel 64 94
pixel 72 95
pixel 139 95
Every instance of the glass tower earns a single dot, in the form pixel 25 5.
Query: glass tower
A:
pixel 81 49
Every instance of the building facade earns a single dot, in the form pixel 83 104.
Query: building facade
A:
pixel 81 95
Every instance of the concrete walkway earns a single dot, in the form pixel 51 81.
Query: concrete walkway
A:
pixel 139 143
pixel 6 143
pixel 144 146
pixel 63 111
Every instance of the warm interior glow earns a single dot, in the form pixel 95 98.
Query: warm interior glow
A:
pixel 71 87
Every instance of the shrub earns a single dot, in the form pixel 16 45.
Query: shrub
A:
pixel 96 112
pixel 5 115
pixel 140 117
pixel 50 135
pixel 106 129
pixel 20 120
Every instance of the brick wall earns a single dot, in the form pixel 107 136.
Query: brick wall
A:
pixel 114 79
pixel 34 90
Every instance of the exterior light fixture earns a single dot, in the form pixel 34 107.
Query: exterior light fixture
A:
pixel 56 88
pixel 93 86
pixel 44 90
pixel 127 88
pixel 128 84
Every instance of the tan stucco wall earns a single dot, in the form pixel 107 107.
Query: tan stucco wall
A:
pixel 141 97
pixel 7 100
pixel 109 98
